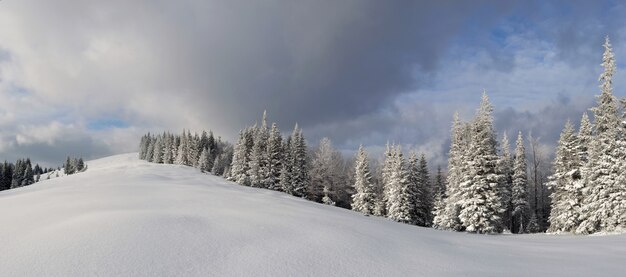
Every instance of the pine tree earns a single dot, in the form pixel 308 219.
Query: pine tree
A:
pixel 424 196
pixel 566 196
pixel 285 182
pixel 29 177
pixel 519 202
pixel 447 214
pixel 399 199
pixel 364 200
pixel 203 161
pixel 67 167
pixel 505 167
pixel 324 173
pixel 258 170
pixel 168 153
pixel 481 204
pixel 182 152
pixel 157 152
pixel 239 165
pixel 603 203
pixel 275 158
pixel 533 226
pixel 299 170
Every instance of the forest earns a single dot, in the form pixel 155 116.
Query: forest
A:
pixel 486 187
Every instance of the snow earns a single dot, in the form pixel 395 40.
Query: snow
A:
pixel 126 217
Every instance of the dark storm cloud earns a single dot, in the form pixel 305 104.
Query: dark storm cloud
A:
pixel 319 61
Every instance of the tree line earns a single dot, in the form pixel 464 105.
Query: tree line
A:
pixel 201 151
pixel 487 188
pixel 19 174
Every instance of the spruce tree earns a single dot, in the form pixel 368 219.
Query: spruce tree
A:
pixel 424 200
pixel 602 196
pixel 364 198
pixel 203 161
pixel 505 167
pixel 299 170
pixel 519 202
pixel 275 158
pixel 239 165
pixel 447 213
pixel 258 170
pixel 481 204
pixel 566 194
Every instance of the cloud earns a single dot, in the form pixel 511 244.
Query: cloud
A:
pixel 359 72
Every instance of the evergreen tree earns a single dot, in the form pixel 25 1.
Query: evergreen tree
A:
pixel 29 177
pixel 299 171
pixel 399 198
pixel 564 183
pixel 324 172
pixel 424 197
pixel 286 175
pixel 203 162
pixel 275 158
pixel 157 152
pixel 182 153
pixel 258 170
pixel 68 168
pixel 533 226
pixel 239 165
pixel 505 167
pixel 481 204
pixel 603 204
pixel 519 202
pixel 364 200
pixel 447 213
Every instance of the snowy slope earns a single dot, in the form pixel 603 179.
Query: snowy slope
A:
pixel 126 217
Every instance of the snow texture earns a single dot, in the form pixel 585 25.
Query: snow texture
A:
pixel 127 217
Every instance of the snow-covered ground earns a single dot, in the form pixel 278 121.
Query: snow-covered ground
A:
pixel 126 217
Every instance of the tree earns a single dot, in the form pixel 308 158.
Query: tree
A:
pixel 275 158
pixel 481 204
pixel 67 167
pixel 447 213
pixel 566 194
pixel 324 174
pixel 519 203
pixel 203 161
pixel 398 190
pixel 505 168
pixel 364 200
pixel 604 193
pixel 299 168
pixel 258 169
pixel 239 165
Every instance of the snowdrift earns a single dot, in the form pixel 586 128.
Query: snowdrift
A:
pixel 126 217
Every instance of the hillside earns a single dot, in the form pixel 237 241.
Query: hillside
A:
pixel 126 217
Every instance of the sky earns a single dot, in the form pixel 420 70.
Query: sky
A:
pixel 88 78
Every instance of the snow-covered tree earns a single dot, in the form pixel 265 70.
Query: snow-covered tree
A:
pixel 275 158
pixel 481 204
pixel 325 171
pixel 299 166
pixel 447 213
pixel 565 183
pixel 603 204
pixel 505 167
pixel 239 165
pixel 259 160
pixel 157 151
pixel 364 199
pixel 519 201
pixel 203 161
pixel 418 180
pixel 397 189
